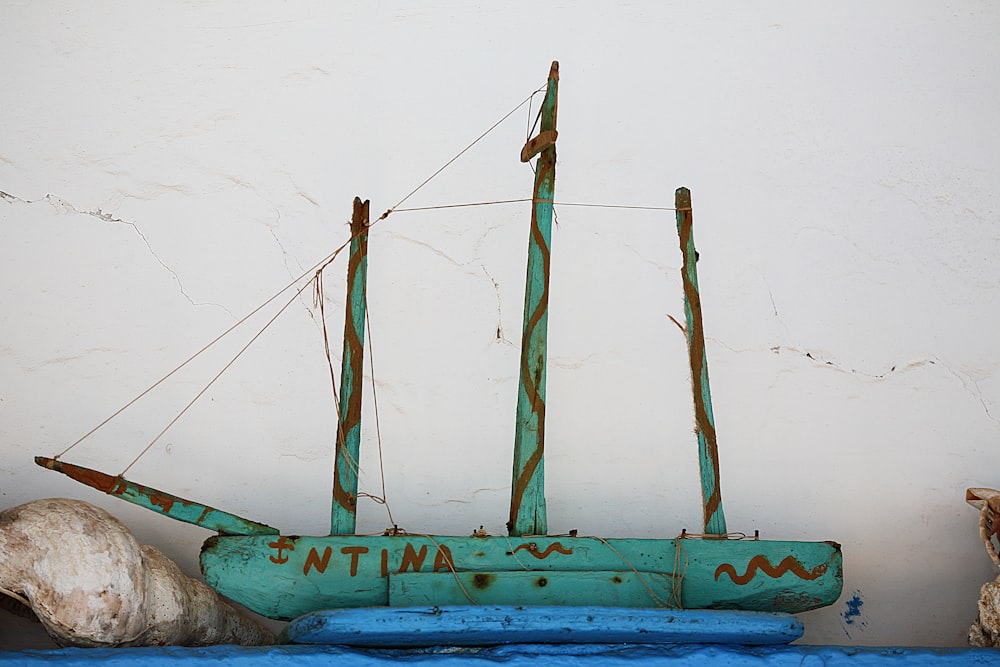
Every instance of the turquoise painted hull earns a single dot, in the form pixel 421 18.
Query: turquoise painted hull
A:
pixel 288 576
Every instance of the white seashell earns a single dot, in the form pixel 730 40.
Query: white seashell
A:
pixel 91 583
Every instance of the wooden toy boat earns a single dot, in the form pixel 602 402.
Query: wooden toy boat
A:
pixel 284 576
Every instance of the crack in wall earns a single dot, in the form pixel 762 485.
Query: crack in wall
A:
pixel 857 247
pixel 665 269
pixel 288 256
pixel 970 385
pixel 770 295
pixel 501 338
pixel 58 202
pixel 431 248
pixel 303 298
pixel 819 360
pixel 271 227
pixel 471 497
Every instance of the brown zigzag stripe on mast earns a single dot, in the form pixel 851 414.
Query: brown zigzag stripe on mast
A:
pixel 353 347
pixel 696 339
pixel 531 383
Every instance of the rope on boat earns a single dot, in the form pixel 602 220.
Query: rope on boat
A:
pixel 322 263
pixel 675 584
pixel 213 380
pixel 316 271
pixel 319 301
pixel 529 199
pixel 446 555
pixel 378 431
pixel 676 592
pixel 462 152
pixel 315 268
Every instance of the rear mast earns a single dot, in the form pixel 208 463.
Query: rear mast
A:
pixel 708 448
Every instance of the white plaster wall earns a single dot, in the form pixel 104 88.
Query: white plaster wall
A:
pixel 166 167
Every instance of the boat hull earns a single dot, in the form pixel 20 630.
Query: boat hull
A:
pixel 285 577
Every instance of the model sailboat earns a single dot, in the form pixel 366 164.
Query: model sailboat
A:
pixel 285 576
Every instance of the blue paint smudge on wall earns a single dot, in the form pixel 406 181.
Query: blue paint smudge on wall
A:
pixel 853 608
pixel 852 615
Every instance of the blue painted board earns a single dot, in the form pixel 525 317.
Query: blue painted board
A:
pixel 517 655
pixel 493 625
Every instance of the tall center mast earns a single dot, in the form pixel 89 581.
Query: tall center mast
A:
pixel 527 496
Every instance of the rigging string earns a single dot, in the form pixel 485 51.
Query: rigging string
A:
pixel 317 269
pixel 460 153
pixel 342 440
pixel 318 266
pixel 378 431
pixel 319 300
pixel 679 550
pixel 716 536
pixel 446 556
pixel 323 262
pixel 538 116
pixel 389 211
pixel 513 552
pixel 676 580
pixel 676 595
pixel 657 599
pixel 213 380
pixel 529 199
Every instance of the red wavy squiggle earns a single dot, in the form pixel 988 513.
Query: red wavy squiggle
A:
pixel 533 550
pixel 760 562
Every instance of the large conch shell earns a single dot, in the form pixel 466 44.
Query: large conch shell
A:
pixel 90 583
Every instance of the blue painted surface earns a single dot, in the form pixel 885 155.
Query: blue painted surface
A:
pixel 492 625
pixel 523 655
pixel 853 621
pixel 853 608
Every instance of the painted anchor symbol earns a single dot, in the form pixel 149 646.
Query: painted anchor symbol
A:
pixel 281 545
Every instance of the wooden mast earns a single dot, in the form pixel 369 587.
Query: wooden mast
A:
pixel 708 448
pixel 527 498
pixel 343 515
